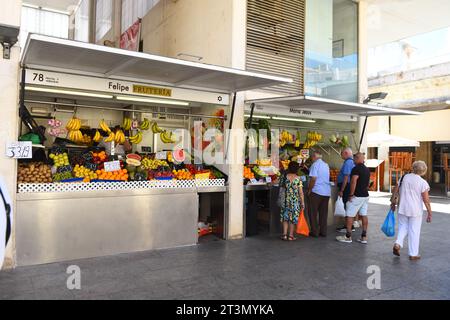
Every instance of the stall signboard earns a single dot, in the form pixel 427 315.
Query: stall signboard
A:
pixel 112 166
pixel 301 113
pixel 119 87
pixel 19 150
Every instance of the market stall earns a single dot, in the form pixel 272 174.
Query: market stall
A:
pixel 105 158
pixel 304 124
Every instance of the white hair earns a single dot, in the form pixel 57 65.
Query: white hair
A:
pixel 348 150
pixel 419 168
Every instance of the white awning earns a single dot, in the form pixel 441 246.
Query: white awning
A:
pixel 62 55
pixel 379 139
pixel 331 106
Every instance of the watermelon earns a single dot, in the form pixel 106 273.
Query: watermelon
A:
pixel 134 156
pixel 179 155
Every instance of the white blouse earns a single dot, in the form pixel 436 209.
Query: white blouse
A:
pixel 411 189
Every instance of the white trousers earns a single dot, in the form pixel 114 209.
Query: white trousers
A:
pixel 409 227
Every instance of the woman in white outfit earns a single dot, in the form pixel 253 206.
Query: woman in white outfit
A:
pixel 411 193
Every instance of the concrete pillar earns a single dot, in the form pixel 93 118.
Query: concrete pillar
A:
pixel 363 84
pixel 9 87
pixel 236 147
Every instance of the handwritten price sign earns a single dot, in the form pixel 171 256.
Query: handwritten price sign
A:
pixel 112 166
pixel 19 150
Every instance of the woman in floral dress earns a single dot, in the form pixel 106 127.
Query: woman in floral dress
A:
pixel 293 201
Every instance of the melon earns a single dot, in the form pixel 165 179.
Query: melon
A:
pixel 133 162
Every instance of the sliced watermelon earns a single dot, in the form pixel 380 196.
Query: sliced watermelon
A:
pixel 179 155
pixel 134 156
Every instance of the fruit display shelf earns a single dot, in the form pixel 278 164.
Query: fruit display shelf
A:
pixel 118 186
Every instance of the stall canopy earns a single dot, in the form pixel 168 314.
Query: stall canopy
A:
pixel 331 106
pixel 379 139
pixel 67 56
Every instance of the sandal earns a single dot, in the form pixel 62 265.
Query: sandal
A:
pixel 292 238
pixel 396 250
pixel 284 237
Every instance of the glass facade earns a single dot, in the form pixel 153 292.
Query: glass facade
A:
pixel 331 49
pixel 135 9
pixel 103 18
pixel 46 22
pixel 82 21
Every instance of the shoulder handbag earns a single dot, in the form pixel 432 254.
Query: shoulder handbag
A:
pixel 396 196
pixel 282 193
pixel 8 217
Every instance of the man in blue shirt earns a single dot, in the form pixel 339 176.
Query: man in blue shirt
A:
pixel 343 179
pixel 319 192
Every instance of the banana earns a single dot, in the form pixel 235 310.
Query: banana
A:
pixel 126 124
pixel 119 137
pixel 74 124
pixel 97 136
pixel 110 137
pixel 136 139
pixel 156 129
pixel 105 127
pixel 167 137
pixel 145 125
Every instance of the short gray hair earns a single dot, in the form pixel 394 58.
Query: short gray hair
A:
pixel 348 150
pixel 419 168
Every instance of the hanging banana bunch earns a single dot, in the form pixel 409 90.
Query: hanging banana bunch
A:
pixel 145 125
pixel 97 137
pixel 126 125
pixel 111 137
pixel 105 127
pixel 136 139
pixel 119 137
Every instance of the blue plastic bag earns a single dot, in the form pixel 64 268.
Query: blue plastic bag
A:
pixel 388 226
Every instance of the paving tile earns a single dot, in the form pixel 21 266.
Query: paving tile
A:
pixel 104 287
pixel 13 287
pixel 155 292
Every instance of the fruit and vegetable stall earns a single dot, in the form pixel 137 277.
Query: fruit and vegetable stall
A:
pixel 108 172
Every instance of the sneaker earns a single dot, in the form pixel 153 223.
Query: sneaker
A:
pixel 344 239
pixel 362 240
pixel 356 224
pixel 344 230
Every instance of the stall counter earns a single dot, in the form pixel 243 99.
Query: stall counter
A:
pixel 61 226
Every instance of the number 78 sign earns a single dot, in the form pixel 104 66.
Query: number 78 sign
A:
pixel 19 150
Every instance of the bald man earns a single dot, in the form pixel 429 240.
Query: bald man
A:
pixel 358 199
pixel 343 180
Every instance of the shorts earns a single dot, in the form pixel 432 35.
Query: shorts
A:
pixel 357 205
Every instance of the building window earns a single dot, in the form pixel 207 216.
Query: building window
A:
pixel 331 49
pixel 103 18
pixel 46 22
pixel 82 21
pixel 132 10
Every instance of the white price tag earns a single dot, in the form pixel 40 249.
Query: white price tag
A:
pixel 19 150
pixel 112 166
pixel 268 179
pixel 253 181
pixel 162 155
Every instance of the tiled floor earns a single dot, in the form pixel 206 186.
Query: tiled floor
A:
pixel 260 267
